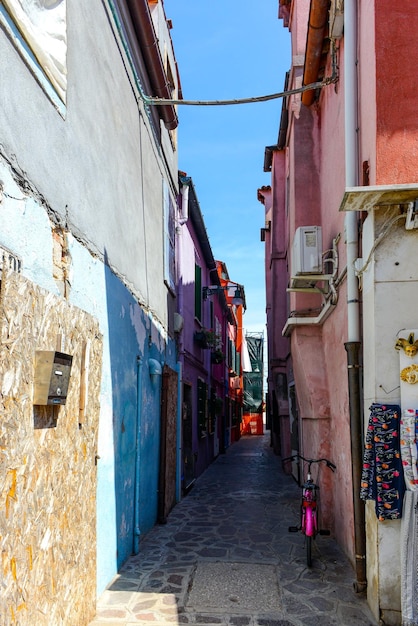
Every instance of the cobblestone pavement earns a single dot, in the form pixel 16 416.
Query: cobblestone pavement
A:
pixel 225 557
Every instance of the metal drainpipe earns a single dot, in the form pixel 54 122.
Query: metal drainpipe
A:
pixel 137 531
pixel 317 23
pixel 179 431
pixel 353 344
pixel 353 349
pixel 180 356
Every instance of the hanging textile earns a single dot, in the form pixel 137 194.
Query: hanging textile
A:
pixel 409 525
pixel 409 560
pixel 409 425
pixel 382 476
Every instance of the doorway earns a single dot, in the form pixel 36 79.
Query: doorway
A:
pixel 188 475
pixel 294 428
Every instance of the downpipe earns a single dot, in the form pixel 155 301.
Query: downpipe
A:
pixel 179 431
pixel 353 344
pixel 137 531
pixel 356 430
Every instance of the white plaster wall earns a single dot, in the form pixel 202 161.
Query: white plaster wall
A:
pixel 98 169
pixel 390 286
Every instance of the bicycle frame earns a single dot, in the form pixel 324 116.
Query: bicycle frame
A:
pixel 309 506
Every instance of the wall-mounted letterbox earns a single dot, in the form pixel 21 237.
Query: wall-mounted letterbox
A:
pixel 52 377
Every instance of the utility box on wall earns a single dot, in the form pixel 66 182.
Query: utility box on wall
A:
pixel 52 377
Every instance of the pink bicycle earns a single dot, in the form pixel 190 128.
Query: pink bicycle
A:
pixel 309 506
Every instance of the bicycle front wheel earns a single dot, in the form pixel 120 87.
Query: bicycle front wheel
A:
pixel 308 540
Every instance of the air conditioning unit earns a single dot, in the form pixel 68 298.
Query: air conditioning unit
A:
pixel 307 251
pixel 178 322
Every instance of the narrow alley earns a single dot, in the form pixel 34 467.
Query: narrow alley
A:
pixel 225 557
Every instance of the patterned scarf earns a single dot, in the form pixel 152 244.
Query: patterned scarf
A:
pixel 382 476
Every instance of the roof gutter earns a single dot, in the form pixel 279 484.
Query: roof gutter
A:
pixel 148 41
pixel 197 220
pixel 317 24
pixel 200 229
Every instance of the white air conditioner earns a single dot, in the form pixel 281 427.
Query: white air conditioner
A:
pixel 178 322
pixel 307 251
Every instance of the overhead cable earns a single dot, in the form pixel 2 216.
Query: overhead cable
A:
pixel 273 96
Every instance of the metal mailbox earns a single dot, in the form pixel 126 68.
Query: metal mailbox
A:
pixel 52 377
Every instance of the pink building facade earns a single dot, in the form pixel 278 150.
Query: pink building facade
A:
pixel 340 236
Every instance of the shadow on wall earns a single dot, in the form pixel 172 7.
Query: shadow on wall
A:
pixel 136 414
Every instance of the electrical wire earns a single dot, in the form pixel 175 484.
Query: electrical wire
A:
pixel 283 94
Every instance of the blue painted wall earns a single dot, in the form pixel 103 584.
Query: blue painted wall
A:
pixel 125 318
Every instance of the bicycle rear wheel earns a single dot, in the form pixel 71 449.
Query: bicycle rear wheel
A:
pixel 308 540
pixel 310 527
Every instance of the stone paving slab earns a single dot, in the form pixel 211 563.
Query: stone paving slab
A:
pixel 225 557
pixel 233 587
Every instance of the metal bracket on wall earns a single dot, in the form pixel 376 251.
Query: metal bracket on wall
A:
pixel 310 283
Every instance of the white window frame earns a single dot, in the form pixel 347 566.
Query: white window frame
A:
pixel 11 28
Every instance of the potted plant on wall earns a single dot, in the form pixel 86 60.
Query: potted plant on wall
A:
pixel 206 338
pixel 217 356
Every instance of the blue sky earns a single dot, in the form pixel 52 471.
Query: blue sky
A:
pixel 230 49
